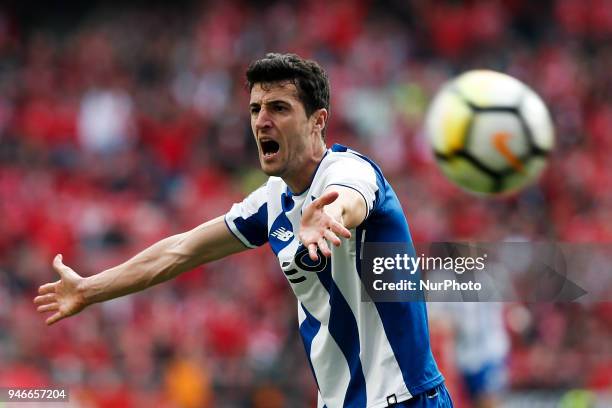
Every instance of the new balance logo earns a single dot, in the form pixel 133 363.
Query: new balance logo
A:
pixel 282 234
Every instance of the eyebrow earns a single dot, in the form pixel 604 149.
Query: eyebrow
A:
pixel 271 102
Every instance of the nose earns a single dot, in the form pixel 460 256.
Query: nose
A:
pixel 263 120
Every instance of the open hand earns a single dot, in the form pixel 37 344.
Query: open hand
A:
pixel 317 226
pixel 63 296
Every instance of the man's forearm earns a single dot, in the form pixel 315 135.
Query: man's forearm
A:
pixel 162 261
pixel 154 265
pixel 349 209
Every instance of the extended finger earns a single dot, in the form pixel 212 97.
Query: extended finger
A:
pixel 324 247
pixel 326 198
pixel 312 252
pixel 41 300
pixel 58 265
pixel 331 237
pixel 340 229
pixel 47 288
pixel 48 308
pixel 57 316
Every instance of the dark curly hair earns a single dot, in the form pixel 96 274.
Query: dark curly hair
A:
pixel 308 77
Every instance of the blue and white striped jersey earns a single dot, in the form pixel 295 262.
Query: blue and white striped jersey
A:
pixel 362 354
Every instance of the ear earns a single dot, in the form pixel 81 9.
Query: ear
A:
pixel 320 119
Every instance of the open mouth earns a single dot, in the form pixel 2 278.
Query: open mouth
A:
pixel 269 147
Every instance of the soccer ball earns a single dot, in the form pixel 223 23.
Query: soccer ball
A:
pixel 490 133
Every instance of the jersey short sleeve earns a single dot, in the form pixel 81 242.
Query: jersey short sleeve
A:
pixel 352 172
pixel 248 220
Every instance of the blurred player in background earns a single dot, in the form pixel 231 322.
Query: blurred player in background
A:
pixel 481 349
pixel 481 346
pixel 363 354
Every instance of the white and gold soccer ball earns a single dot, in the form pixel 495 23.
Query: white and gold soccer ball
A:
pixel 490 132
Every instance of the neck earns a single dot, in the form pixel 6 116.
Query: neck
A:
pixel 300 180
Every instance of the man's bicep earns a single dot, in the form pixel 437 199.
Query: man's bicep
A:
pixel 208 242
pixel 356 175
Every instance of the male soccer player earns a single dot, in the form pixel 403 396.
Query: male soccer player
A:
pixel 362 354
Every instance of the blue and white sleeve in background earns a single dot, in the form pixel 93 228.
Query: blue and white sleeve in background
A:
pixel 248 220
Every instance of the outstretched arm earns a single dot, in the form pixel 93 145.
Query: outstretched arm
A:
pixel 334 213
pixel 160 262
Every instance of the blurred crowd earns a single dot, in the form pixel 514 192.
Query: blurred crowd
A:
pixel 126 124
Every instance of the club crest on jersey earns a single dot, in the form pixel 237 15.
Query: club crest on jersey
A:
pixel 282 233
